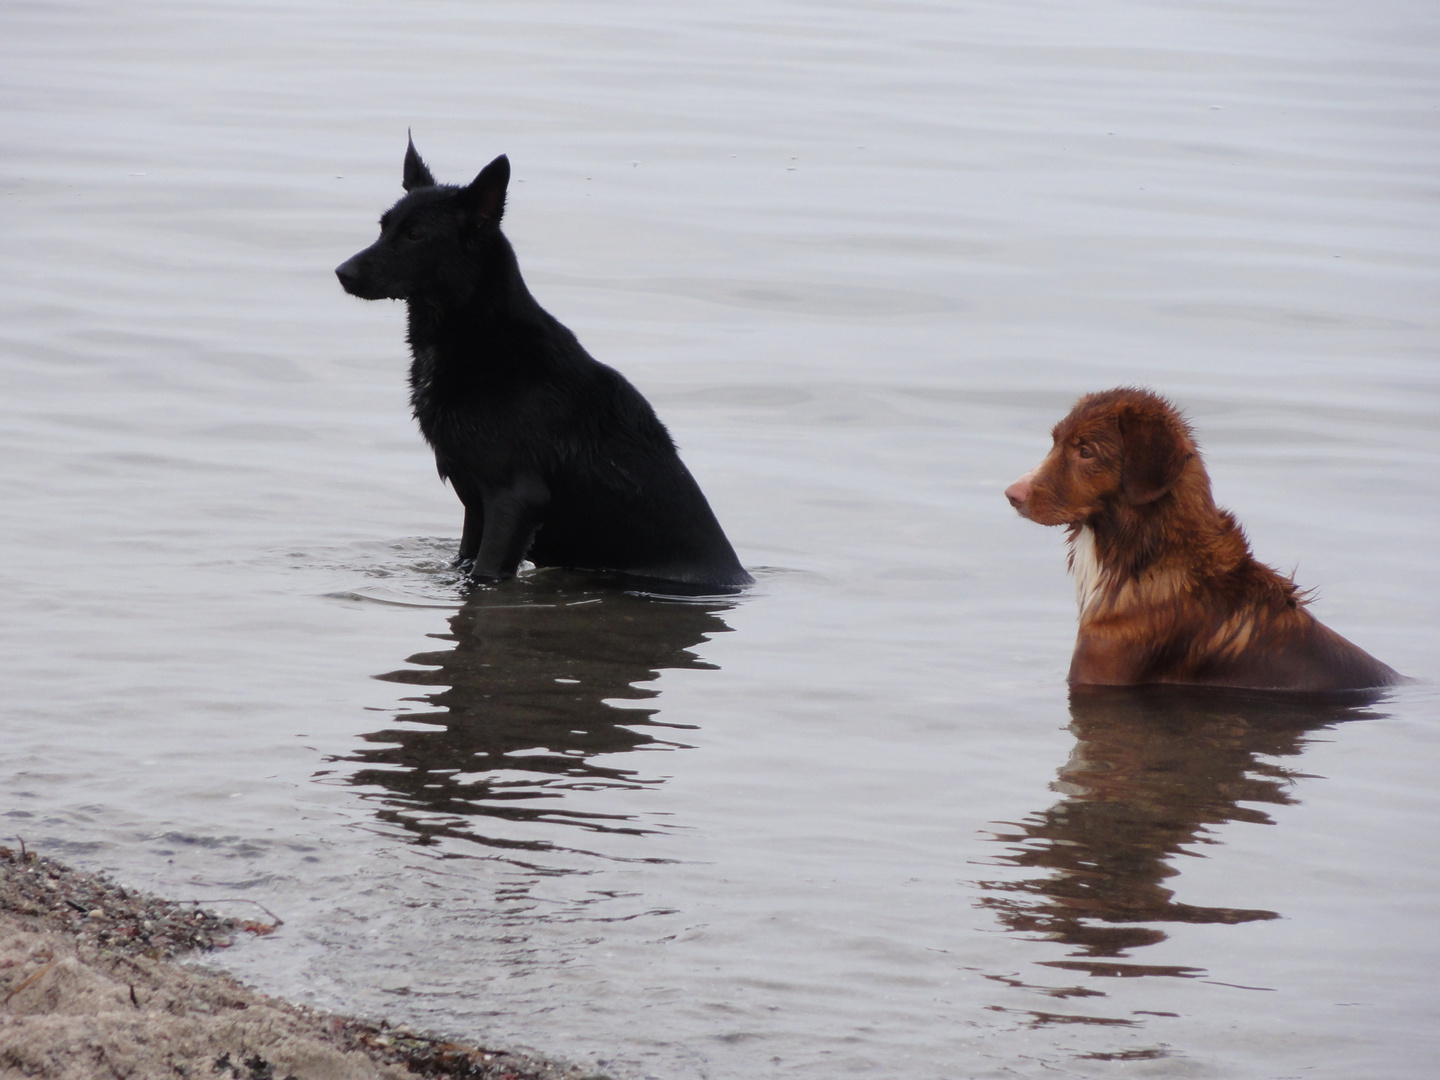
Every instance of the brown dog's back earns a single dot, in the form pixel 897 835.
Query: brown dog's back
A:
pixel 1168 589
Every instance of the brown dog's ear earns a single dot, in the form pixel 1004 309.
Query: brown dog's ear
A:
pixel 1155 451
pixel 417 173
pixel 484 200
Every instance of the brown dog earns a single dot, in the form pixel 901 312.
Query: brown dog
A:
pixel 1167 587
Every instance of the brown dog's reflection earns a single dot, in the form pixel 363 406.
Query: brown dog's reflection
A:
pixel 521 717
pixel 1153 771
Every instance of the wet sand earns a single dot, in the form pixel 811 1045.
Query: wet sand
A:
pixel 90 987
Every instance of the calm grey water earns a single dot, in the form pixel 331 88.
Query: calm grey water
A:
pixel 861 256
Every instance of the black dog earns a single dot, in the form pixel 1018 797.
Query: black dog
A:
pixel 556 457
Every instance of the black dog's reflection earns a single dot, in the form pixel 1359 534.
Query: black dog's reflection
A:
pixel 1153 770
pixel 521 715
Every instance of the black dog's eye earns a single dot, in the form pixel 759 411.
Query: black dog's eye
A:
pixel 415 231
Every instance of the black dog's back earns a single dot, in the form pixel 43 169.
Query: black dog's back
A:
pixel 555 456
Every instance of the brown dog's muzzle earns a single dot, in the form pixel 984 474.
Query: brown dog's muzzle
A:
pixel 1019 493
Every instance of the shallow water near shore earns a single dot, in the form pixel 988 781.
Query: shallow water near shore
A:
pixel 861 257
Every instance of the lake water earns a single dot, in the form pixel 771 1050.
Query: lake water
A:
pixel 861 256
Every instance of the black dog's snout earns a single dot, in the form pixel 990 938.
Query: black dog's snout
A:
pixel 358 278
pixel 349 275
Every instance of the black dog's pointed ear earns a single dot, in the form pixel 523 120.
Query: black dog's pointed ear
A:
pixel 484 199
pixel 417 173
pixel 1156 449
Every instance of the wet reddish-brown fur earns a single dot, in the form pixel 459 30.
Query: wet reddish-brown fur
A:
pixel 1170 592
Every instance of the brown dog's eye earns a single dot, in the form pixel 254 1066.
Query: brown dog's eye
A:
pixel 1084 451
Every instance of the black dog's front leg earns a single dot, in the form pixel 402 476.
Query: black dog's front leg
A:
pixel 511 516
pixel 470 538
pixel 474 503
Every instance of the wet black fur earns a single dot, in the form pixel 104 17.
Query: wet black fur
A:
pixel 556 457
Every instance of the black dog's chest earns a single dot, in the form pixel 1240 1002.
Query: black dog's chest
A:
pixel 460 422
pixel 488 419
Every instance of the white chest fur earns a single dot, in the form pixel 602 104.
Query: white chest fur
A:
pixel 1085 565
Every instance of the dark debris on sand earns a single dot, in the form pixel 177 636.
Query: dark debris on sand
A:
pixel 104 919
pixel 97 911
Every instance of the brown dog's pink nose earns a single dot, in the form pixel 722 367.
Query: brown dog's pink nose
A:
pixel 1019 491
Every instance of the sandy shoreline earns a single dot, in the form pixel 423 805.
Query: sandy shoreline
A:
pixel 89 987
